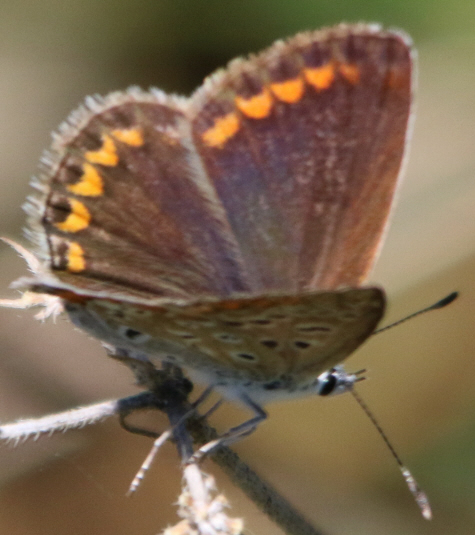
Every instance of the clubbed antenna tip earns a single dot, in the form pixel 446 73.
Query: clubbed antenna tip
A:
pixel 445 301
pixel 419 495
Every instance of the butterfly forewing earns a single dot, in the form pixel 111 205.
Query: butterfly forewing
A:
pixel 304 144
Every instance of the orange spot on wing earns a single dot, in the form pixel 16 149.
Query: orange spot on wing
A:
pixel 289 91
pixel 397 79
pixel 132 136
pixel 77 220
pixel 320 77
pixel 350 72
pixel 106 155
pixel 223 129
pixel 256 107
pixel 75 256
pixel 90 184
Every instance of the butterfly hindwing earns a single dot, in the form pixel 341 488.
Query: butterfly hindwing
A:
pixel 259 338
pixel 123 211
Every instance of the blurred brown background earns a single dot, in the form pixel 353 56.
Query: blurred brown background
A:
pixel 321 453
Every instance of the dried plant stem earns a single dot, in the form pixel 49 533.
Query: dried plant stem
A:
pixel 201 508
pixel 264 495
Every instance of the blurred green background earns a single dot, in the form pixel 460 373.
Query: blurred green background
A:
pixel 321 453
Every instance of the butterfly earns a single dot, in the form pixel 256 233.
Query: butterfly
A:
pixel 230 233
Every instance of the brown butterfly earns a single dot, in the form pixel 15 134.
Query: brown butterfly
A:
pixel 229 232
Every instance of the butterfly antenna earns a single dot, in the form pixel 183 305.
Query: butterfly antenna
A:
pixel 419 495
pixel 440 304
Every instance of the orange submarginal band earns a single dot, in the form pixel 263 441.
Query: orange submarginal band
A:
pixel 320 77
pixel 223 129
pixel 350 72
pixel 90 183
pixel 106 155
pixel 256 107
pixel 131 136
pixel 75 255
pixel 290 91
pixel 78 219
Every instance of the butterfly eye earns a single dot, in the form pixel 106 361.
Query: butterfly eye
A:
pixel 335 381
pixel 327 383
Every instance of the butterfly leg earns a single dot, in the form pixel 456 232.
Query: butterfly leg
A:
pixel 235 433
pixel 163 437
